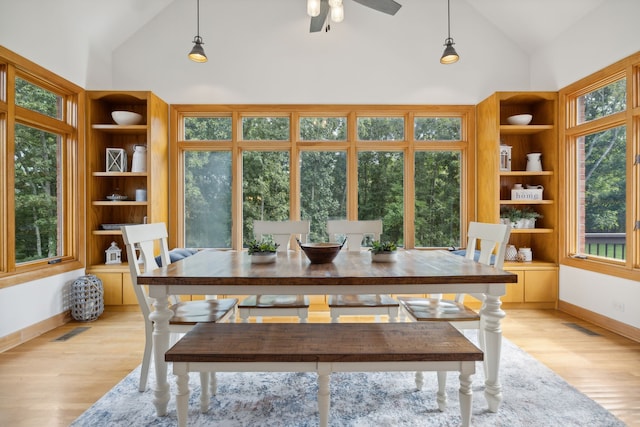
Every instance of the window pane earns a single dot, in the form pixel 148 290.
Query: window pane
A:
pixel 601 199
pixel 437 202
pixel 207 199
pixel 265 128
pixel 207 128
pixel 437 128
pixel 380 191
pixel 323 190
pixel 38 198
pixel 380 128
pixel 37 99
pixel 323 128
pixel 603 102
pixel 265 188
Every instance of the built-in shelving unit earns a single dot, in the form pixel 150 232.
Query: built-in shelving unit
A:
pixel 103 133
pixel 538 280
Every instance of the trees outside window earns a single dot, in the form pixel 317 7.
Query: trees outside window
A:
pixel 602 133
pixel 40 198
pixel 317 164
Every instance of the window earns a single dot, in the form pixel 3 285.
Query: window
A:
pixel 602 133
pixel 39 140
pixel 403 165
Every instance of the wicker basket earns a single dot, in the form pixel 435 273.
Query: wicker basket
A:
pixel 87 298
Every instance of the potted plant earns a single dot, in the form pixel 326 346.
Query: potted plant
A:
pixel 529 217
pixel 263 251
pixel 510 215
pixel 383 251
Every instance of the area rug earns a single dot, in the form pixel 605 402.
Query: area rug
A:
pixel 533 396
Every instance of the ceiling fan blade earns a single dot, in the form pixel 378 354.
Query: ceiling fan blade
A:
pixel 386 6
pixel 317 22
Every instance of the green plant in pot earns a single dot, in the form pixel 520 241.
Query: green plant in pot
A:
pixel 262 251
pixel 383 251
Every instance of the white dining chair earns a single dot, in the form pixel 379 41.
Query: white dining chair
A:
pixel 141 242
pixel 486 244
pixel 258 306
pixel 357 305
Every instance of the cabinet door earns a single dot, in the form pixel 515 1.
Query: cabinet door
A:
pixel 112 284
pixel 128 293
pixel 541 285
pixel 515 291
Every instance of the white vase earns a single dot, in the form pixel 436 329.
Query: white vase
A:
pixel 139 161
pixel 263 257
pixel 511 254
pixel 534 164
pixel 384 256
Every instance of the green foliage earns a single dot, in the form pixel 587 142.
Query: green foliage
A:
pixel 378 246
pixel 514 214
pixel 262 246
pixel 36 178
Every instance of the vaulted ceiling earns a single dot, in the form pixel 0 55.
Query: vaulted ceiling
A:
pixel 529 23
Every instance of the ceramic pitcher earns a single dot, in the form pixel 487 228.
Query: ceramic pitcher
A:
pixel 534 164
pixel 139 161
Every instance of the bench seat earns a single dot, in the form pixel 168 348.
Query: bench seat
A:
pixel 322 348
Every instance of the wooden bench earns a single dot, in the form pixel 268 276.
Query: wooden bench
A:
pixel 322 348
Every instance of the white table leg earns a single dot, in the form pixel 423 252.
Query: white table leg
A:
pixel 324 394
pixel 160 318
pixel 492 316
pixel 182 395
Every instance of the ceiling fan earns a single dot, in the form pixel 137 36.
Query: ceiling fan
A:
pixel 389 7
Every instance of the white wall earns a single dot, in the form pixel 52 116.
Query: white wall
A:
pixel 27 304
pixel 608 34
pixel 262 52
pixel 613 297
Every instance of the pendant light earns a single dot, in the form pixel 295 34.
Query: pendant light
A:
pixel 449 56
pixel 313 8
pixel 197 53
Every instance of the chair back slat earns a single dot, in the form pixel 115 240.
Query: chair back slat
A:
pixel 354 231
pixel 143 239
pixel 490 239
pixel 282 232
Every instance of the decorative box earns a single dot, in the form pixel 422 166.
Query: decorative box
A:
pixel 527 194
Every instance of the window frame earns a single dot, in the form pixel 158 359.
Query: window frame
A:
pixel 352 146
pixel 70 128
pixel 570 131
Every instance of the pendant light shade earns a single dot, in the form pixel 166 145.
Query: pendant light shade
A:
pixel 449 56
pixel 197 53
pixel 313 8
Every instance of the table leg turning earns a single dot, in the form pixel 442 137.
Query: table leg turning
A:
pixel 492 316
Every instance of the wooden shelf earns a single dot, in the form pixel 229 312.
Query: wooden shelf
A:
pixel 131 129
pixel 526 173
pixel 526 202
pixel 524 130
pixel 124 203
pixel 531 230
pixel 119 174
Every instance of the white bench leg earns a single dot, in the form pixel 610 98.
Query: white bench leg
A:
pixel 182 395
pixel 204 392
pixel 419 380
pixel 466 394
pixel 324 395
pixel 442 394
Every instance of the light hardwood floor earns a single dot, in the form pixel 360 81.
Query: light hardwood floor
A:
pixel 46 382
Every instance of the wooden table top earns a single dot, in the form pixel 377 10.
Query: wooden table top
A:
pixel 217 267
pixel 323 342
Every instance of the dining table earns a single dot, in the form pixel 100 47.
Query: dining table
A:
pixel 414 271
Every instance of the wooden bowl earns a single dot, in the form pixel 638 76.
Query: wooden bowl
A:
pixel 321 253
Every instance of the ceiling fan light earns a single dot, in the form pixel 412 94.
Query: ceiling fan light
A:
pixel 197 53
pixel 313 8
pixel 449 56
pixel 337 13
pixel 335 3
